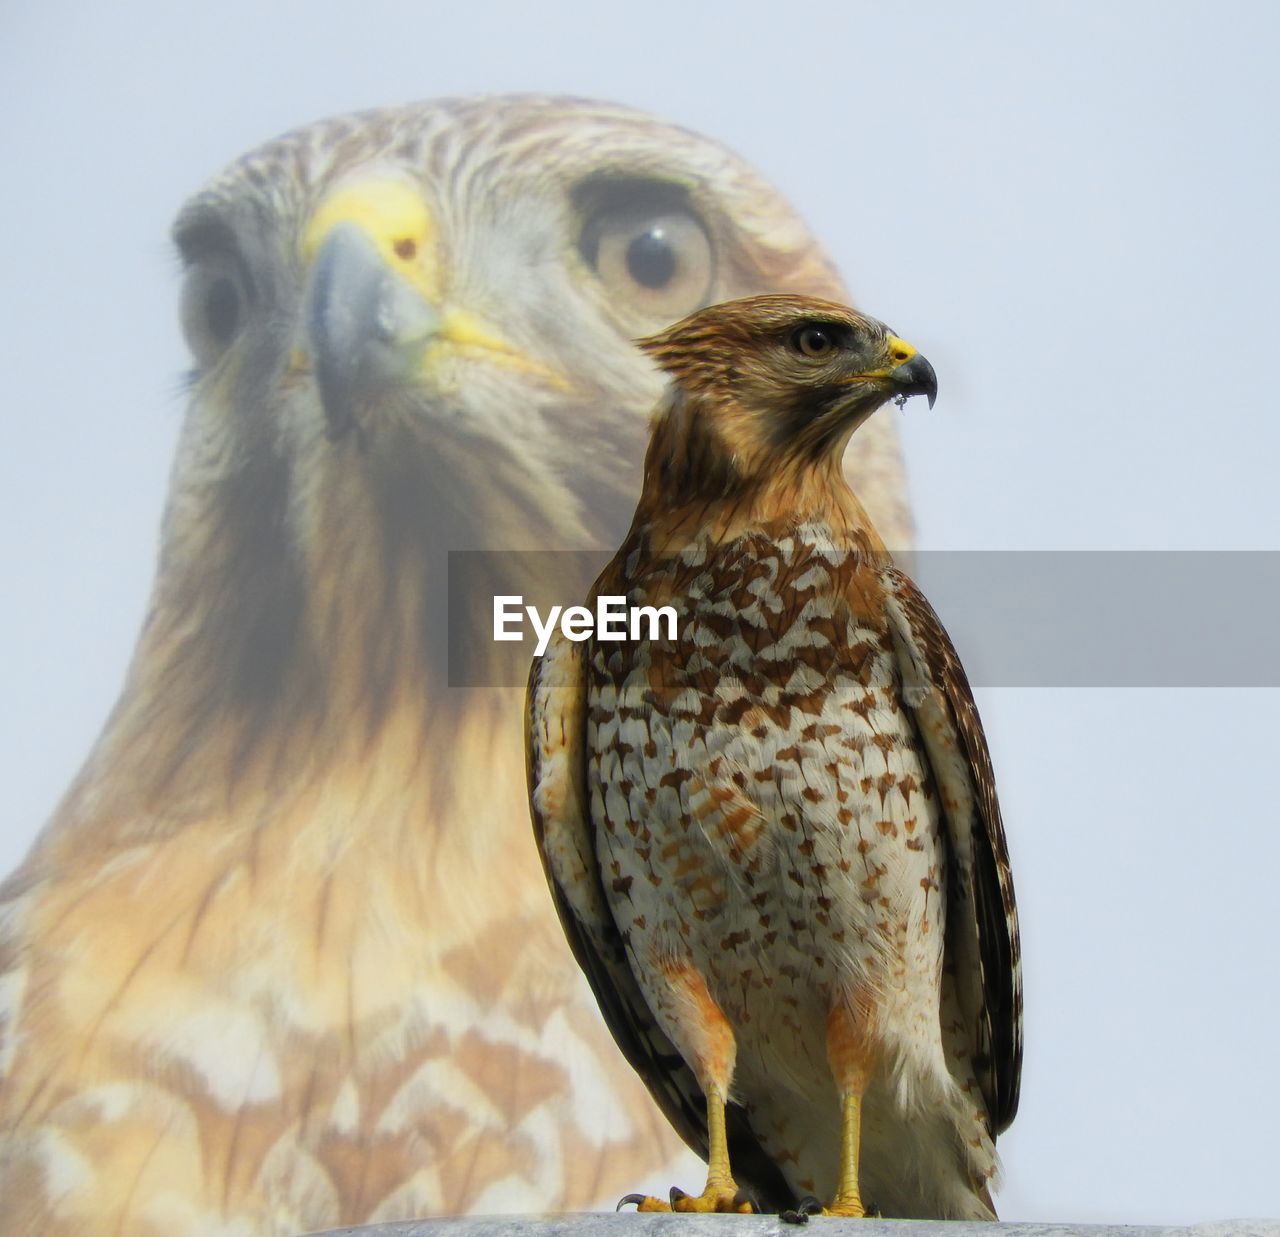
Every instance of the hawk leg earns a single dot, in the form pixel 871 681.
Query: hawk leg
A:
pixel 848 1199
pixel 703 1034
pixel 851 1053
pixel 721 1192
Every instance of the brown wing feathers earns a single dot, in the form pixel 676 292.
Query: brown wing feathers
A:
pixel 998 1059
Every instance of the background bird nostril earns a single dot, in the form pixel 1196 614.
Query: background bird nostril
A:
pixel 406 249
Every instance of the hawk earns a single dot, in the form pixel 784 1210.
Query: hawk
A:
pixel 283 958
pixel 773 838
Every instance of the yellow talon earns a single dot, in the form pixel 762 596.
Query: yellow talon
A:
pixel 715 1198
pixel 721 1193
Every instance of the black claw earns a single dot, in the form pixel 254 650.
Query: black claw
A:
pixel 637 1199
pixel 742 1196
pixel 676 1195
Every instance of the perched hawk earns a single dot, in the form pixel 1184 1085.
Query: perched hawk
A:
pixel 283 959
pixel 773 839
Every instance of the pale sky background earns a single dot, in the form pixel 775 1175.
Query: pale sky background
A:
pixel 1070 208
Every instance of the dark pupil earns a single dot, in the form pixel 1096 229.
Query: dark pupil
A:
pixel 651 260
pixel 222 309
pixel 815 341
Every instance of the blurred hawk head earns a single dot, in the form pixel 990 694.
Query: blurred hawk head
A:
pixel 413 333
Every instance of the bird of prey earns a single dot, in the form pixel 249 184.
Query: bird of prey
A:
pixel 773 836
pixel 283 959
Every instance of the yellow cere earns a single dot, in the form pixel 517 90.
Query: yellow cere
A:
pixel 900 352
pixel 395 218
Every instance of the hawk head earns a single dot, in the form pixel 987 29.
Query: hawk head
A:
pixel 767 381
pixel 412 335
pixel 424 314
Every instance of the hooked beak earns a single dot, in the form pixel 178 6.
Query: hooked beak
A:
pixel 375 315
pixel 904 372
pixel 915 377
pixel 909 373
pixel 366 325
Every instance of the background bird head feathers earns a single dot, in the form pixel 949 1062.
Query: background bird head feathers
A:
pixel 301 568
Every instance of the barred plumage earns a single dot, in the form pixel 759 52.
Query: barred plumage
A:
pixel 774 840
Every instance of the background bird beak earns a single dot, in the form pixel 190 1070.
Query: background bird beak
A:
pixel 915 377
pixel 365 323
pixel 374 320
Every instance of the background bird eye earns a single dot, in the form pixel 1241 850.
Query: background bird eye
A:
pixel 653 259
pixel 815 342
pixel 213 310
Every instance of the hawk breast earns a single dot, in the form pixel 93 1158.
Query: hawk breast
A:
pixel 760 801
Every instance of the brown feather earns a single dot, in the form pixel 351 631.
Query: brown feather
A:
pixel 745 525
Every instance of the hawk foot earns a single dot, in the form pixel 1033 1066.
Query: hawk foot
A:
pixel 852 1208
pixel 811 1206
pixel 718 1198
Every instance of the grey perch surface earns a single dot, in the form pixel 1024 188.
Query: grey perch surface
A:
pixel 633 1225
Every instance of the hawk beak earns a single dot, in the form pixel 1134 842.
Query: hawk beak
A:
pixel 374 316
pixel 904 373
pixel 914 377
pixel 366 326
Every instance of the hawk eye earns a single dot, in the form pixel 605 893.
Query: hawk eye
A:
pixel 652 260
pixel 815 342
pixel 214 306
pixel 652 255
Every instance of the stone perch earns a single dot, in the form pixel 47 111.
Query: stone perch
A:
pixel 605 1224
